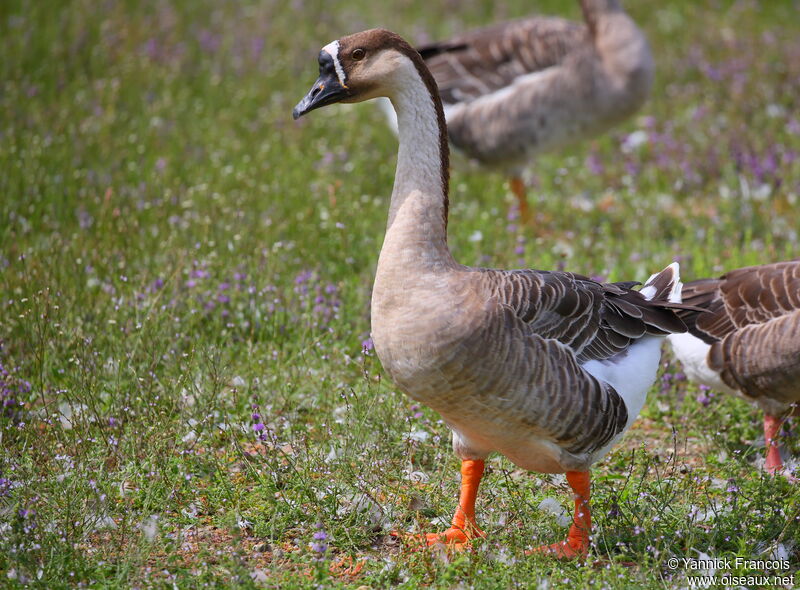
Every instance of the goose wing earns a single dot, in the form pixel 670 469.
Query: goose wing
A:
pixel 554 323
pixel 743 297
pixel 485 60
pixel 753 326
pixel 556 398
pixel 594 320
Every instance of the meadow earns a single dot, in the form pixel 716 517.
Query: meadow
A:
pixel 189 395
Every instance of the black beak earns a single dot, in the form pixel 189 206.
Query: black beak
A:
pixel 326 90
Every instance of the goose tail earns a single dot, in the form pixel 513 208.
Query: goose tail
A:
pixel 664 286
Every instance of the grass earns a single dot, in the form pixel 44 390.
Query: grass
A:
pixel 184 284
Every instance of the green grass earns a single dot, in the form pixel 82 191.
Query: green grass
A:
pixel 176 255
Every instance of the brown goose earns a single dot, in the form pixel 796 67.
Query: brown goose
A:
pixel 749 341
pixel 515 89
pixel 547 368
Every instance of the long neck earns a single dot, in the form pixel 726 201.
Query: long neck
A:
pixel 418 209
pixel 594 9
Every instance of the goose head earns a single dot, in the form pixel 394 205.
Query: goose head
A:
pixel 362 66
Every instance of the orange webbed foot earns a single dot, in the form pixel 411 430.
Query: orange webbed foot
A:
pixel 463 529
pixel 458 538
pixel 577 544
pixel 774 463
pixel 453 537
pixel 563 550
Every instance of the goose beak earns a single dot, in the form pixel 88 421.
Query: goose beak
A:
pixel 326 90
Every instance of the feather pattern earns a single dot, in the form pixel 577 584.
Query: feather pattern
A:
pixel 752 325
pixel 517 88
pixel 482 61
pixel 595 320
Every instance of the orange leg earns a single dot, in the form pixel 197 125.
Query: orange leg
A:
pixel 577 543
pixel 463 528
pixel 518 188
pixel 771 427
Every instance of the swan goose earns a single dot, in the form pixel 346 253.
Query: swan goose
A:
pixel 519 88
pixel 547 368
pixel 749 341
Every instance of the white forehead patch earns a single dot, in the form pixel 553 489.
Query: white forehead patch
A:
pixel 333 49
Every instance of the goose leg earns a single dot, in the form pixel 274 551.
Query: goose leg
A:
pixel 577 543
pixel 464 527
pixel 518 188
pixel 772 425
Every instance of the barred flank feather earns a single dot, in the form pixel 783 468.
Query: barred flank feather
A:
pixel 753 326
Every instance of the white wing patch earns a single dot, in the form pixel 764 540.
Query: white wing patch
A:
pixel 333 49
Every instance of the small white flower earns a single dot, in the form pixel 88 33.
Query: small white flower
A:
pixel 775 110
pixel 149 527
pixel 418 476
pixel 98 522
pixel 419 435
pixel 780 552
pixel 553 507
pixel 69 413
pixel 634 140
pixel 191 510
pixel 333 454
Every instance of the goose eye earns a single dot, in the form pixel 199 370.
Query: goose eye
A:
pixel 358 54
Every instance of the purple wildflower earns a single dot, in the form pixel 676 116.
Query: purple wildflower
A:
pixel 594 164
pixel 319 546
pixel 705 395
pixel 302 277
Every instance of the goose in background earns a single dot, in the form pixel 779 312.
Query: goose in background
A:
pixel 520 88
pixel 547 368
pixel 748 341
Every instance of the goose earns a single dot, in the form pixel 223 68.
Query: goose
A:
pixel 516 89
pixel 547 368
pixel 748 342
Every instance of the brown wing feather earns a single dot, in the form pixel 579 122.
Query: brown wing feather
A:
pixel 549 392
pixel 482 61
pixel 595 320
pixel 716 322
pixel 584 414
pixel 546 325
pixel 762 359
pixel 743 297
pixel 753 326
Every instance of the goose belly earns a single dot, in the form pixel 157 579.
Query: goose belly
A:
pixel 479 430
pixel 484 421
